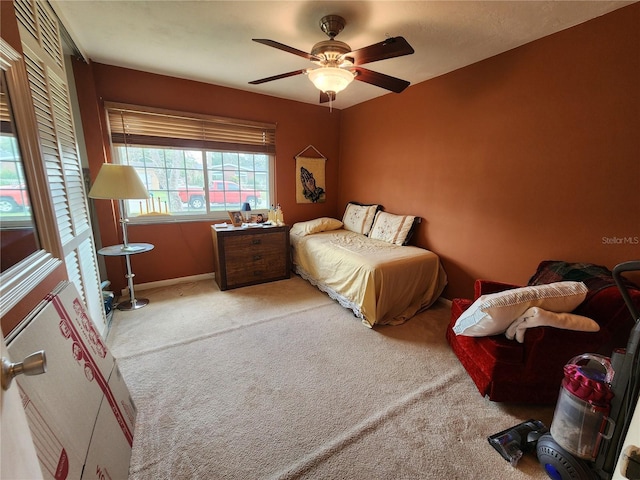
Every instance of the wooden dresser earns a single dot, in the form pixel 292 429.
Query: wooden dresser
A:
pixel 246 256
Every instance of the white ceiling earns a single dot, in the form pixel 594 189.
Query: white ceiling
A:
pixel 210 41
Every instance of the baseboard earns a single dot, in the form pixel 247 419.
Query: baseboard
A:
pixel 171 281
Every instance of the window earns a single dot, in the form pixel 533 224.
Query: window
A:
pixel 194 166
pixel 14 196
pixel 17 226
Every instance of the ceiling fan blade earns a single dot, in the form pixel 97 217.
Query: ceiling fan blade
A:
pixel 285 48
pixel 389 48
pixel 278 77
pixel 325 97
pixel 380 80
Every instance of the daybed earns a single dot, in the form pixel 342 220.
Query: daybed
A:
pixel 364 263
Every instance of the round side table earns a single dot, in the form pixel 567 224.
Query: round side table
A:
pixel 127 250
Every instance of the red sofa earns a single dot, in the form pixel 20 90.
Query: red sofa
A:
pixel 531 372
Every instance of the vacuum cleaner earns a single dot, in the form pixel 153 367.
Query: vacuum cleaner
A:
pixel 595 408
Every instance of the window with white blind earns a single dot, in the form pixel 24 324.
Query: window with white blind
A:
pixel 194 166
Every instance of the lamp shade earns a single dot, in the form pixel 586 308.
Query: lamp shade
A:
pixel 246 207
pixel 120 182
pixel 331 79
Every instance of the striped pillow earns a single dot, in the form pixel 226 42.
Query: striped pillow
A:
pixel 392 228
pixel 492 314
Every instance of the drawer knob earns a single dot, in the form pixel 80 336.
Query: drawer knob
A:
pixel 257 257
pixel 257 273
pixel 256 241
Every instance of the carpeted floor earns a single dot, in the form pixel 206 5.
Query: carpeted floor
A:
pixel 277 381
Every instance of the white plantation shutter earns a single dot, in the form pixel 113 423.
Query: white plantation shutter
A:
pixel 49 33
pixel 49 144
pixel 44 60
pixel 72 170
pixel 26 14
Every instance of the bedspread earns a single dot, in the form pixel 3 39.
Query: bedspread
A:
pixel 382 283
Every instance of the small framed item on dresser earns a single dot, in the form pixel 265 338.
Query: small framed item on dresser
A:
pixel 236 218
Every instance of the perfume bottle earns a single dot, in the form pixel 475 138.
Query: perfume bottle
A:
pixel 279 216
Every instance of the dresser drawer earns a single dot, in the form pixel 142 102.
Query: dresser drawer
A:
pixel 256 268
pixel 244 248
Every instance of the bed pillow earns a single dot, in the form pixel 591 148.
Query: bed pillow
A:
pixel 392 228
pixel 359 218
pixel 314 226
pixel 493 313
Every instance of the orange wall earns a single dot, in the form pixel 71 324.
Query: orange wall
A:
pixel 527 156
pixel 183 249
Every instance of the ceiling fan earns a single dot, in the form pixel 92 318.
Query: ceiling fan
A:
pixel 339 65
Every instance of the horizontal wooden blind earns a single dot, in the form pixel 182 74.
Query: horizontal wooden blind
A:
pixel 6 125
pixel 153 127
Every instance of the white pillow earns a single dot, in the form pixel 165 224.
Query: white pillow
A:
pixel 492 314
pixel 358 218
pixel 538 317
pixel 391 228
pixel 314 226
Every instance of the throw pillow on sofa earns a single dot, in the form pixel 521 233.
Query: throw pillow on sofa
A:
pixel 493 313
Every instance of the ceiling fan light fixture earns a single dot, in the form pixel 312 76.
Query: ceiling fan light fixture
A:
pixel 339 65
pixel 330 79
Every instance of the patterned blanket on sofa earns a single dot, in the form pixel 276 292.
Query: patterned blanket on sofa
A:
pixel 595 277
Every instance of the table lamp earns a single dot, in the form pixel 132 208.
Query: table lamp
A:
pixel 121 182
pixel 246 210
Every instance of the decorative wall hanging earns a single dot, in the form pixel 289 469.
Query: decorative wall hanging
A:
pixel 310 177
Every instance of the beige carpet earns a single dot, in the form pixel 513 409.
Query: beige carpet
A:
pixel 277 381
